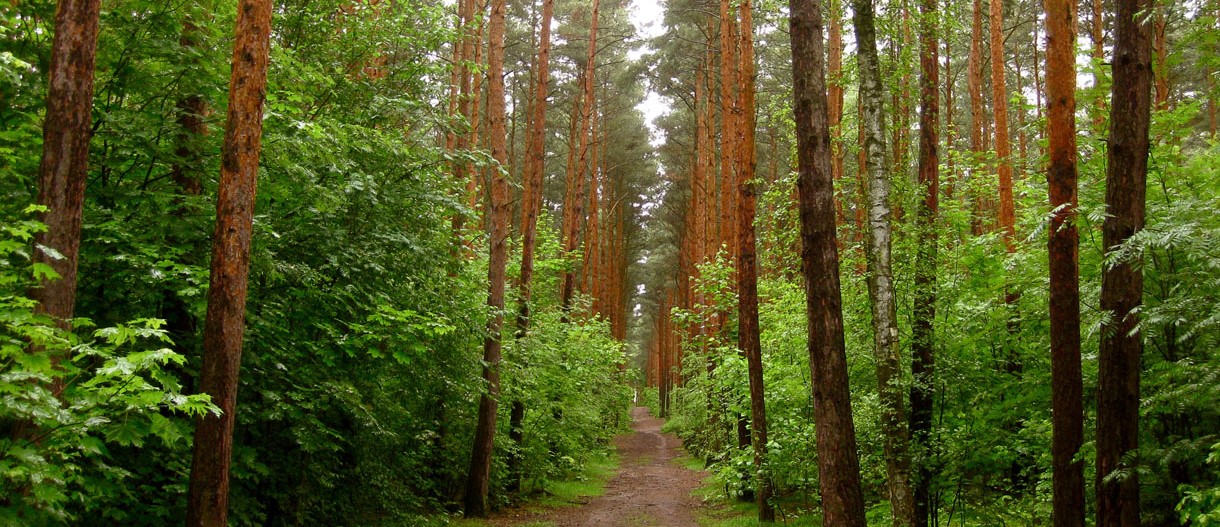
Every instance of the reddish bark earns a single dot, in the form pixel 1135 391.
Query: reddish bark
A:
pixel 1118 378
pixel 1099 56
pixel 1006 219
pixel 63 170
pixel 571 238
pixel 464 54
pixel 748 339
pixel 729 115
pixel 1160 47
pixel 974 82
pixel 1003 146
pixel 208 498
pixel 593 224
pixel 950 123
pixel 535 157
pixel 1067 406
pixel 835 94
pixel 838 461
pixel 923 336
pixel 479 478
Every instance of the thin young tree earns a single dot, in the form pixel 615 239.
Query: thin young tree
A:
pixel 531 207
pixel 923 335
pixel 880 273
pixel 747 266
pixel 1067 406
pixel 974 83
pixel 208 495
pixel 574 207
pixel 1003 153
pixel 838 460
pixel 1122 282
pixel 479 478
pixel 63 170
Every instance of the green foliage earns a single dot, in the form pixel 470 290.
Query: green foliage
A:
pixel 568 378
pixel 66 404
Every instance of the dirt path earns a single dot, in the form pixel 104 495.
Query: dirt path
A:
pixel 649 490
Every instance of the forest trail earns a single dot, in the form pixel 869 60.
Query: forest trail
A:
pixel 650 489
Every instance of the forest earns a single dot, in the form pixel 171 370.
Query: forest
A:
pixel 414 262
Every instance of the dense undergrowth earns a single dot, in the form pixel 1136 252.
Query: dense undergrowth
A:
pixel 990 444
pixel 360 375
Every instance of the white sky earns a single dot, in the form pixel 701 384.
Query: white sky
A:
pixel 647 16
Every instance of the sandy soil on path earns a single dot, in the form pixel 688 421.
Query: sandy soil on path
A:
pixel 649 489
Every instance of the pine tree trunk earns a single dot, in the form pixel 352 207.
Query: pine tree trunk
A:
pixel 923 335
pixel 572 236
pixel 880 274
pixel 1003 145
pixel 974 78
pixel 479 478
pixel 535 163
pixel 531 207
pixel 464 53
pixel 1003 152
pixel 208 496
pixel 1160 46
pixel 62 173
pixel 838 461
pixel 1067 409
pixel 835 93
pixel 951 133
pixel 1118 377
pixel 1099 55
pixel 747 267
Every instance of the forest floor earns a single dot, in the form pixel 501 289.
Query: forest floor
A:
pixel 651 487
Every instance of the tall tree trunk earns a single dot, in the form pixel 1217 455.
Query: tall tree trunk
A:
pixel 728 126
pixel 572 236
pixel 835 93
pixel 700 173
pixel 485 432
pixel 838 461
pixel 1067 406
pixel 1037 74
pixel 463 141
pixel 1118 376
pixel 531 207
pixel 730 115
pixel 880 274
pixel 1160 47
pixel 950 125
pixel 663 366
pixel 747 267
pixel 535 163
pixel 474 174
pixel 974 81
pixel 1003 153
pixel 1003 145
pixel 208 497
pixel 593 226
pixel 923 335
pixel 731 148
pixel 1099 55
pixel 62 173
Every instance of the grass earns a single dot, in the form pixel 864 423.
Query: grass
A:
pixel 721 510
pixel 591 482
pixel 576 491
